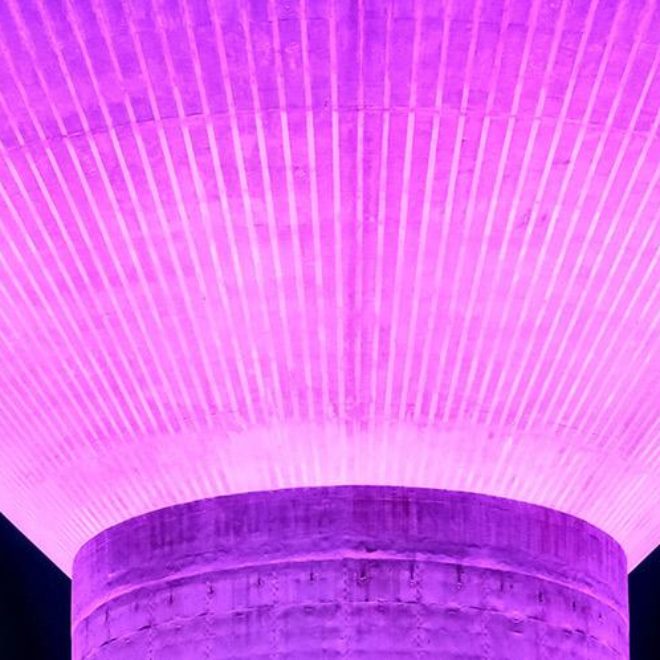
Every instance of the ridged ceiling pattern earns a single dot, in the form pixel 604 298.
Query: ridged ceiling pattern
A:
pixel 261 244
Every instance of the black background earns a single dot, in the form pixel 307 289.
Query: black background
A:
pixel 34 603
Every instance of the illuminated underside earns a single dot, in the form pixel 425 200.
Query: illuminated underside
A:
pixel 256 245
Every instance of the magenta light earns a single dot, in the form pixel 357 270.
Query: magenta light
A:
pixel 351 572
pixel 256 245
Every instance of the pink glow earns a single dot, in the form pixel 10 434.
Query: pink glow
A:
pixel 257 245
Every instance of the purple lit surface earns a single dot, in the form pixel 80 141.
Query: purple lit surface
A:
pixel 252 245
pixel 352 572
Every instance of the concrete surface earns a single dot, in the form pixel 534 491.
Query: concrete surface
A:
pixel 351 572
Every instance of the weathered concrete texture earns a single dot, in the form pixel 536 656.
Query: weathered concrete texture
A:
pixel 359 572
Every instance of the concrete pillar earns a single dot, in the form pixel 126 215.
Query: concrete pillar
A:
pixel 351 572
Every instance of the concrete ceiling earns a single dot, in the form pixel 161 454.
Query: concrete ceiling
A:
pixel 251 245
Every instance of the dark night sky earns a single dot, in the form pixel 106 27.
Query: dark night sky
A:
pixel 34 603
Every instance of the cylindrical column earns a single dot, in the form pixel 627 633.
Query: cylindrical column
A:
pixel 351 572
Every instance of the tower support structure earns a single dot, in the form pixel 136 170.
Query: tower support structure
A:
pixel 351 572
